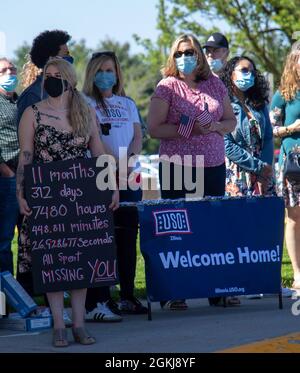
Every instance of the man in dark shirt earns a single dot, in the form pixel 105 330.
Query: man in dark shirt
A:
pixel 9 151
pixel 45 45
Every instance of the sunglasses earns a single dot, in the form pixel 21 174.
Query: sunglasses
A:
pixel 12 69
pixel 187 53
pixel 104 53
pixel 245 70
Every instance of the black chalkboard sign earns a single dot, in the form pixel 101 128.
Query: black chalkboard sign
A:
pixel 71 226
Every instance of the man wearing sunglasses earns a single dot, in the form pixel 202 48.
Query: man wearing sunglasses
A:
pixel 216 51
pixel 9 151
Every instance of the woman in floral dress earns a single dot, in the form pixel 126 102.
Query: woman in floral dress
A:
pixel 60 127
pixel 285 117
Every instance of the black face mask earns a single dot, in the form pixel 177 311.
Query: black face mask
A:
pixel 54 86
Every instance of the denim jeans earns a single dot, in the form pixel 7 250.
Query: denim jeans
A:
pixel 8 219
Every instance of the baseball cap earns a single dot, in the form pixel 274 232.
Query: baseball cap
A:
pixel 216 40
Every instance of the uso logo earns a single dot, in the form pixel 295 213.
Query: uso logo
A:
pixel 171 222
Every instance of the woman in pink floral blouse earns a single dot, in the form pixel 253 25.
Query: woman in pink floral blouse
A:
pixel 190 112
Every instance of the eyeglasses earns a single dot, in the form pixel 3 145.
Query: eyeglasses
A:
pixel 104 53
pixel 245 70
pixel 187 53
pixel 12 69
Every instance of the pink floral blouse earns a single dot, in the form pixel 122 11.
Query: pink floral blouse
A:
pixel 191 102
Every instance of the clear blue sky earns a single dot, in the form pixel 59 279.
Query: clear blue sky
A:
pixel 92 20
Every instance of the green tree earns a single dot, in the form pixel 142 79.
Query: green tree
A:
pixel 81 54
pixel 20 56
pixel 78 50
pixel 139 81
pixel 262 29
pixel 154 57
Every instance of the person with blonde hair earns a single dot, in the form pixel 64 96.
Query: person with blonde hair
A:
pixel 285 117
pixel 120 129
pixel 190 112
pixel 58 128
pixel 29 73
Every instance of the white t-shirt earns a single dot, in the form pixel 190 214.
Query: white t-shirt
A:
pixel 117 121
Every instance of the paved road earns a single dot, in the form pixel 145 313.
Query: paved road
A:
pixel 199 329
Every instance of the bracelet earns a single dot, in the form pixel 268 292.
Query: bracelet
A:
pixel 288 131
pixel 276 132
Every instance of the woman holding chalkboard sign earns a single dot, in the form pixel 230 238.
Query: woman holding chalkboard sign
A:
pixel 61 127
pixel 120 131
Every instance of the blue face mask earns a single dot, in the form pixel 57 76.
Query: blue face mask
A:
pixel 215 65
pixel 8 82
pixel 244 81
pixel 105 80
pixel 186 64
pixel 70 59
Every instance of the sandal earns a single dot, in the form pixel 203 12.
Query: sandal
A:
pixel 82 336
pixel 232 301
pixel 176 305
pixel 224 301
pixel 60 338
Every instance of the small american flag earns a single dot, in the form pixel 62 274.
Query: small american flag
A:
pixel 205 118
pixel 186 126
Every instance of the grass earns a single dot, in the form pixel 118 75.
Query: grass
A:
pixel 286 270
pixel 140 286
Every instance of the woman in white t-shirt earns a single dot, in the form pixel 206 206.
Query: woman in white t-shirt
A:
pixel 120 130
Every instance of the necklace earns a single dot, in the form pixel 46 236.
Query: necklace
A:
pixel 54 108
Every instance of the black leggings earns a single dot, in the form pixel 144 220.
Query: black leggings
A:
pixel 214 182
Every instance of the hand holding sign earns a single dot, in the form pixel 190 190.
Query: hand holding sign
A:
pixel 71 226
pixel 23 206
pixel 115 200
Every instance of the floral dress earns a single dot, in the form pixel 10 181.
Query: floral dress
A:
pixel 50 145
pixel 284 113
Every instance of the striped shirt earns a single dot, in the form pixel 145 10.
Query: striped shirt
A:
pixel 9 144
